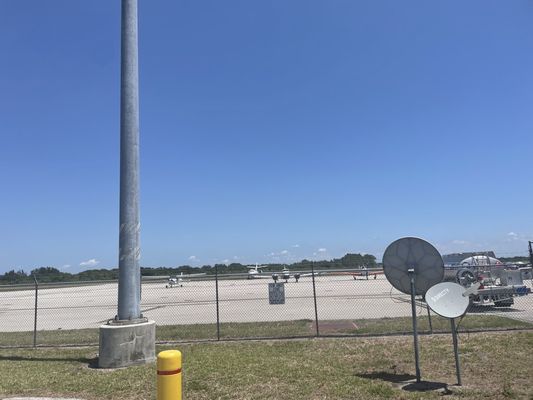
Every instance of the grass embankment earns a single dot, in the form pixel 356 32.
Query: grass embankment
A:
pixel 495 366
pixel 301 328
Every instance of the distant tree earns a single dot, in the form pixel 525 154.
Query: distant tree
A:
pixel 13 277
pixel 235 268
pixel 206 268
pixel 369 260
pixel 101 274
pixel 50 274
pixel 221 268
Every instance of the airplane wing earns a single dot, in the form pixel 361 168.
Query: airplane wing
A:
pixel 261 276
pixel 316 273
pixel 155 277
pixel 353 272
pixel 375 271
pixel 166 277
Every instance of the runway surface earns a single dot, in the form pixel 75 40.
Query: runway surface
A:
pixel 338 297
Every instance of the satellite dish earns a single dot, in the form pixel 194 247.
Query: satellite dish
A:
pixel 417 254
pixel 447 299
pixel 450 300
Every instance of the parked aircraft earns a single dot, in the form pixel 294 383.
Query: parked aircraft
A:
pixel 362 272
pixel 257 273
pixel 285 275
pixel 179 279
pixel 481 260
pixel 176 280
pixel 366 272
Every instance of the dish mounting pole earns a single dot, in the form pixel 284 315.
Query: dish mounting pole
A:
pixel 411 272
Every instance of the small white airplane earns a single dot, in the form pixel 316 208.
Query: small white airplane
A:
pixel 174 281
pixel 179 279
pixel 286 275
pixel 364 272
pixel 257 273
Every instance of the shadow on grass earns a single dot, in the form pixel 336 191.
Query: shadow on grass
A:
pixel 387 376
pixel 407 382
pixel 90 362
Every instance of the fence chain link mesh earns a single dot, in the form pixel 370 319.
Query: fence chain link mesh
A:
pixel 347 304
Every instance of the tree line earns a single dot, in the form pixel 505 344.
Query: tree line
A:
pixel 51 274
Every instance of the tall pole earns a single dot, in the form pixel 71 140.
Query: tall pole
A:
pixel 411 272
pixel 129 284
pixel 456 352
pixel 117 349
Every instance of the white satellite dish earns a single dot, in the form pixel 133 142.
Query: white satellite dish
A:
pixel 416 255
pixel 451 300
pixel 447 299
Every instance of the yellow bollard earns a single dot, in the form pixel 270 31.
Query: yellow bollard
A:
pixel 169 375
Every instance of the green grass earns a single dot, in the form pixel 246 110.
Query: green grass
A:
pixel 439 324
pixel 301 328
pixel 495 366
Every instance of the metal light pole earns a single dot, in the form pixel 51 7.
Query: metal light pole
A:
pixel 129 284
pixel 117 349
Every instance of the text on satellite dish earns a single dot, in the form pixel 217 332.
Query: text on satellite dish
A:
pixel 439 295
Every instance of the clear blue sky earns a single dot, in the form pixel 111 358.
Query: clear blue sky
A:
pixel 270 130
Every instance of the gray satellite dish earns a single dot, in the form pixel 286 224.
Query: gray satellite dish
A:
pixel 412 266
pixel 447 299
pixel 415 254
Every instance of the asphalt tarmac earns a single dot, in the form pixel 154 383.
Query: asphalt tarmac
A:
pixel 338 297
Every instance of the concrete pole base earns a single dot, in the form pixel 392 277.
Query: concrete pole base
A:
pixel 125 343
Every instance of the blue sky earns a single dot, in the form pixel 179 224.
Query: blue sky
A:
pixel 270 131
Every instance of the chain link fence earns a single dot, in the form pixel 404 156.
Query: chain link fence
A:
pixel 228 307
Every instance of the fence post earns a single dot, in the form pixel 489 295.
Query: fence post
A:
pixel 314 297
pixel 216 294
pixel 35 315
